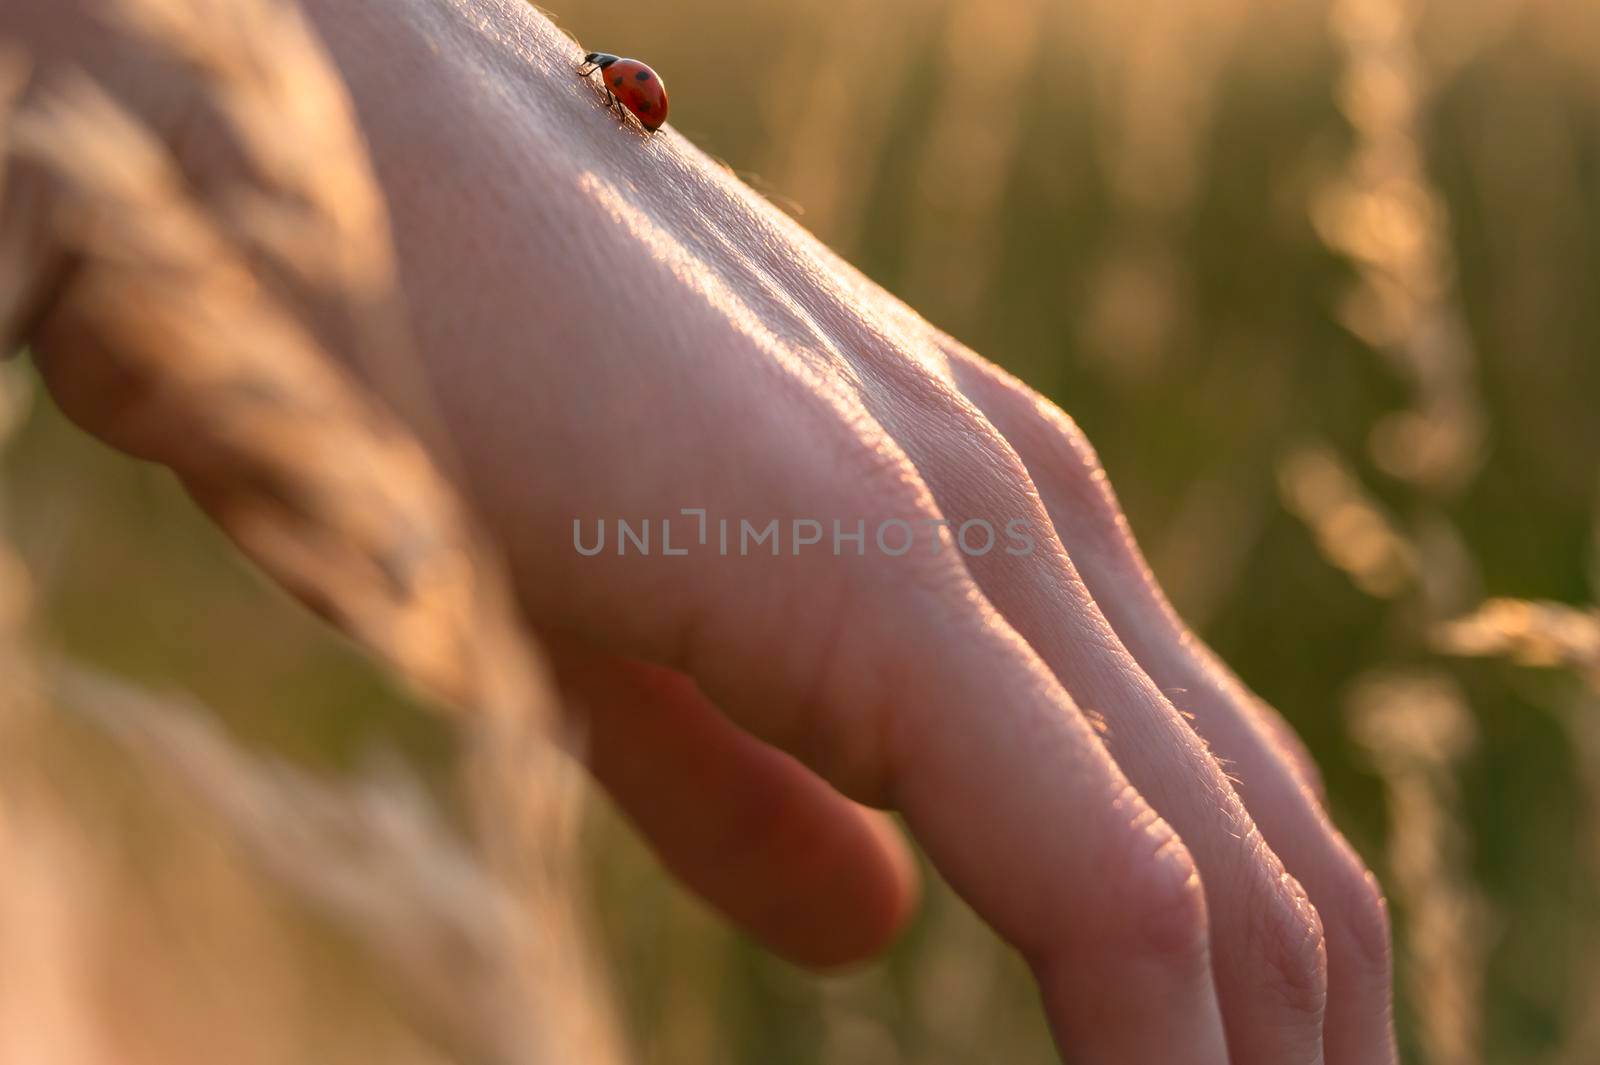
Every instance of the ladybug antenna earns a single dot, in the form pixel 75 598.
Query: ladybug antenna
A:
pixel 600 59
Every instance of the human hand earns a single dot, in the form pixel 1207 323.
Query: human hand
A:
pixel 614 328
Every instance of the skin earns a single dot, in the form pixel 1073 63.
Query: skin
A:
pixel 612 325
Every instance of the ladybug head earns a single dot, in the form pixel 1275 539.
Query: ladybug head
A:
pixel 601 59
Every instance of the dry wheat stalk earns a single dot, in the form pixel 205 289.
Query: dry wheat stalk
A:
pixel 305 208
pixel 1556 636
pixel 196 331
pixel 1386 216
pixel 1383 214
pixel 207 373
pixel 1416 727
pixel 474 967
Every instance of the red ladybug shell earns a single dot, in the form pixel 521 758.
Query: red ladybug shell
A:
pixel 640 90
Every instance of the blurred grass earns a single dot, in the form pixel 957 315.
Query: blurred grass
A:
pixel 1115 200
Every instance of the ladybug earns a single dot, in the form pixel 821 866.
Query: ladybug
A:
pixel 631 84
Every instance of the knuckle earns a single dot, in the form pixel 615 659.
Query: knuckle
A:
pixel 1292 943
pixel 1159 898
pixel 1071 440
pixel 1357 914
pixel 1050 432
pixel 980 482
pixel 1066 461
pixel 847 462
pixel 1072 455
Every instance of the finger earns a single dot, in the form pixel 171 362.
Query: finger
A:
pixel 811 874
pixel 1007 785
pixel 1271 771
pixel 898 682
pixel 1020 807
pixel 1265 938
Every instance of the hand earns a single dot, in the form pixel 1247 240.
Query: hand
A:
pixel 614 328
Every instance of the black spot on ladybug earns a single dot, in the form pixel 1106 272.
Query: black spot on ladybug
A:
pixel 643 75
pixel 644 105
pixel 618 82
